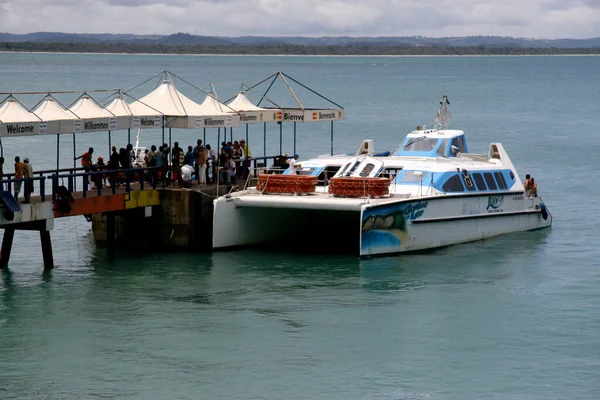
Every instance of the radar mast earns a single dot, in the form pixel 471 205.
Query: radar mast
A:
pixel 443 117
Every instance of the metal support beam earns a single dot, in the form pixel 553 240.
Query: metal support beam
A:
pixel 280 138
pixel 47 249
pixel 74 162
pixel 331 137
pixel 109 144
pixel 219 140
pixel 7 242
pixel 265 140
pixel 294 137
pixel 247 144
pixel 204 141
pixel 57 153
pixel 128 136
pixel 163 130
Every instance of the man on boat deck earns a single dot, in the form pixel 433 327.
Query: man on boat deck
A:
pixel 533 188
pixel 294 165
pixel 527 185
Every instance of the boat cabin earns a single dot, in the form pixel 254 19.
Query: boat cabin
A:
pixel 433 143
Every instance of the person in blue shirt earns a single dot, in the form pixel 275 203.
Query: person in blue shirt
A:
pixel 189 157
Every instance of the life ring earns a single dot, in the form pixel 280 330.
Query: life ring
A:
pixel 359 187
pixel 286 184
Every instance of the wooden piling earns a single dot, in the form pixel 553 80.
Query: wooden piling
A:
pixel 47 249
pixel 7 242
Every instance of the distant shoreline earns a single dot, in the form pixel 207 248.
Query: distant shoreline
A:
pixel 305 55
pixel 289 50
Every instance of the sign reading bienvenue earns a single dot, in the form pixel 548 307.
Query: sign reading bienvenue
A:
pixel 324 115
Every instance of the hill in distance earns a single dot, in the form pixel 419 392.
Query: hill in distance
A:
pixel 184 39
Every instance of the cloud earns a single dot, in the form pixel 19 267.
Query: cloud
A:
pixel 531 18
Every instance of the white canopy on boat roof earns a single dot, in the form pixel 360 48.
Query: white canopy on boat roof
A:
pixel 127 119
pixel 17 120
pixel 60 120
pixel 93 116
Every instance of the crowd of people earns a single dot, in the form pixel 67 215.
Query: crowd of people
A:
pixel 170 165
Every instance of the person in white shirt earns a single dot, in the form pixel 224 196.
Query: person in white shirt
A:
pixel 294 165
pixel 186 175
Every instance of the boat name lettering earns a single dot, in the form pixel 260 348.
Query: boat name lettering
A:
pixel 91 125
pixel 494 202
pixel 414 211
pixel 212 122
pixel 518 198
pixel 11 129
pixel 293 117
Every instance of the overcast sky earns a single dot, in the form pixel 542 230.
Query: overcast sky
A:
pixel 520 18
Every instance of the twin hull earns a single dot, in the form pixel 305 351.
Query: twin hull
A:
pixel 374 227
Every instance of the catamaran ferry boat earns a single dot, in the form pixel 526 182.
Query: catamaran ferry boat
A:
pixel 430 192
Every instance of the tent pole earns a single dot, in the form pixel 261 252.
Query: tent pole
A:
pixel 230 134
pixel 109 145
pixel 331 137
pixel 128 136
pixel 57 152
pixel 170 146
pixel 163 131
pixel 204 141
pixel 280 138
pixel 74 163
pixel 219 139
pixel 294 137
pixel 1 149
pixel 265 142
pixel 247 135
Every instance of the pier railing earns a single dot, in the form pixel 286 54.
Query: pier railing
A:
pixel 115 179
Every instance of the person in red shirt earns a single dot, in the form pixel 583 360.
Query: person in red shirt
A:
pixel 86 159
pixel 19 174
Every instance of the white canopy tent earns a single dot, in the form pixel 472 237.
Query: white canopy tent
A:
pixel 145 117
pixel 60 120
pixel 249 113
pixel 17 120
pixel 93 117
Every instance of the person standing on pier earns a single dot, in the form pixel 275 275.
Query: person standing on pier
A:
pixel 86 161
pixel 28 172
pixel 19 174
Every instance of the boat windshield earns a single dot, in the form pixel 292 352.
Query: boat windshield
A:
pixel 421 144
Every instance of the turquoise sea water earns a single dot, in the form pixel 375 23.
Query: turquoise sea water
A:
pixel 516 317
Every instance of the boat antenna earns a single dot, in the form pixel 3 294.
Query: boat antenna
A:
pixel 443 117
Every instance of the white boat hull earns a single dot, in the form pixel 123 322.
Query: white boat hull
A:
pixel 375 227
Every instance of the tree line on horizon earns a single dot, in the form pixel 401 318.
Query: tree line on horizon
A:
pixel 287 49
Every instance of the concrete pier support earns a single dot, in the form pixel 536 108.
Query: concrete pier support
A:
pixel 7 242
pixel 110 235
pixel 47 249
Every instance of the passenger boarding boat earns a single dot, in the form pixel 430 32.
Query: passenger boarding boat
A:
pixel 431 192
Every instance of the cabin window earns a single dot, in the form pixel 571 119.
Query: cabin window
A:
pixel 512 176
pixel 412 177
pixel 390 173
pixel 479 181
pixel 453 184
pixel 367 170
pixel 420 144
pixel 460 143
pixel 326 174
pixel 344 169
pixel 441 151
pixel 501 181
pixel 489 179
